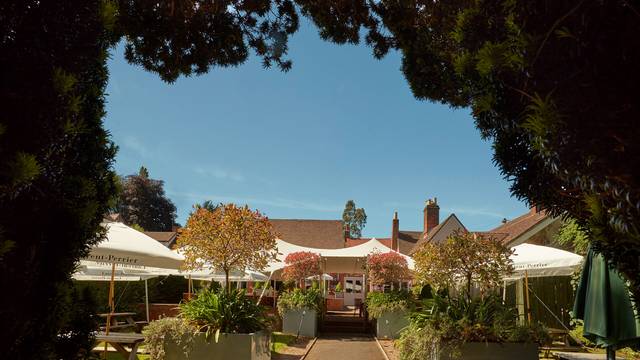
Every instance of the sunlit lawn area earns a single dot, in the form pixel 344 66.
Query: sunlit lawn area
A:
pixel 280 341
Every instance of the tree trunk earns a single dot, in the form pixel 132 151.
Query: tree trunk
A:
pixel 227 285
pixel 469 287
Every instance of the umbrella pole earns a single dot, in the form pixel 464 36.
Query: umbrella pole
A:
pixel 263 290
pixel 611 353
pixel 146 298
pixel 111 303
pixel 189 288
pixel 526 293
pixel 504 292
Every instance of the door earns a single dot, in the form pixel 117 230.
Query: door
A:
pixel 353 290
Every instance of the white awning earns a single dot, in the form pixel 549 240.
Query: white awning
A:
pixel 128 246
pixel 343 260
pixel 539 261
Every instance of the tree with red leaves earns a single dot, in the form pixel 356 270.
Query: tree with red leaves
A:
pixel 301 265
pixel 385 268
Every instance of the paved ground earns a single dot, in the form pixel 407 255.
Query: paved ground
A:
pixel 345 347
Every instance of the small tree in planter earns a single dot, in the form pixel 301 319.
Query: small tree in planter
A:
pixel 300 308
pixel 389 309
pixel 227 237
pixel 387 268
pixel 462 260
pixel 462 324
pixel 300 266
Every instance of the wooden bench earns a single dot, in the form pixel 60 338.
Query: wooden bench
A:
pixel 126 324
pixel 119 340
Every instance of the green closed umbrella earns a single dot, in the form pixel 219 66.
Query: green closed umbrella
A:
pixel 603 303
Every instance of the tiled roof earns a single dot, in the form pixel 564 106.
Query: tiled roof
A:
pixel 166 238
pixel 493 235
pixel 407 240
pixel 511 230
pixel 323 234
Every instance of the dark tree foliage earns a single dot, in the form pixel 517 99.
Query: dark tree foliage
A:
pixel 80 320
pixel 142 202
pixel 55 162
pixel 552 83
pixel 174 38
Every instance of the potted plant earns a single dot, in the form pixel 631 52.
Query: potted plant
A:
pixel 480 329
pixel 467 318
pixel 299 310
pixel 300 307
pixel 214 325
pixel 389 309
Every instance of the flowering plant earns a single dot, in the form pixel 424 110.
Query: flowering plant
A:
pixel 301 265
pixel 387 267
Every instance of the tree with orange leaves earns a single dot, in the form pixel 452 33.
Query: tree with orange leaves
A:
pixel 228 237
pixel 462 260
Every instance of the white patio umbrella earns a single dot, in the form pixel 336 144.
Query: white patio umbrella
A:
pixel 538 261
pixel 126 246
pixel 323 277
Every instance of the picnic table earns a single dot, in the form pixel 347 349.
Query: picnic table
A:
pixel 119 340
pixel 122 320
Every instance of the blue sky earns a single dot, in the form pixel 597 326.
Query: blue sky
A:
pixel 340 125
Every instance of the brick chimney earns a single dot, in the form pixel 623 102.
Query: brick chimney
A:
pixel 535 209
pixel 431 215
pixel 395 229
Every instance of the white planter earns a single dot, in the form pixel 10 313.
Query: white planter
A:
pixel 255 346
pixel 305 320
pixel 390 324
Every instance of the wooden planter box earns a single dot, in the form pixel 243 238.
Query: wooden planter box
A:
pixel 255 346
pixel 292 320
pixel 494 351
pixel 390 324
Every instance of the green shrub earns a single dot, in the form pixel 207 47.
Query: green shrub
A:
pixel 298 299
pixel 176 329
pixel 76 336
pixel 379 303
pixel 457 320
pixel 339 287
pixel 257 285
pixel 231 312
